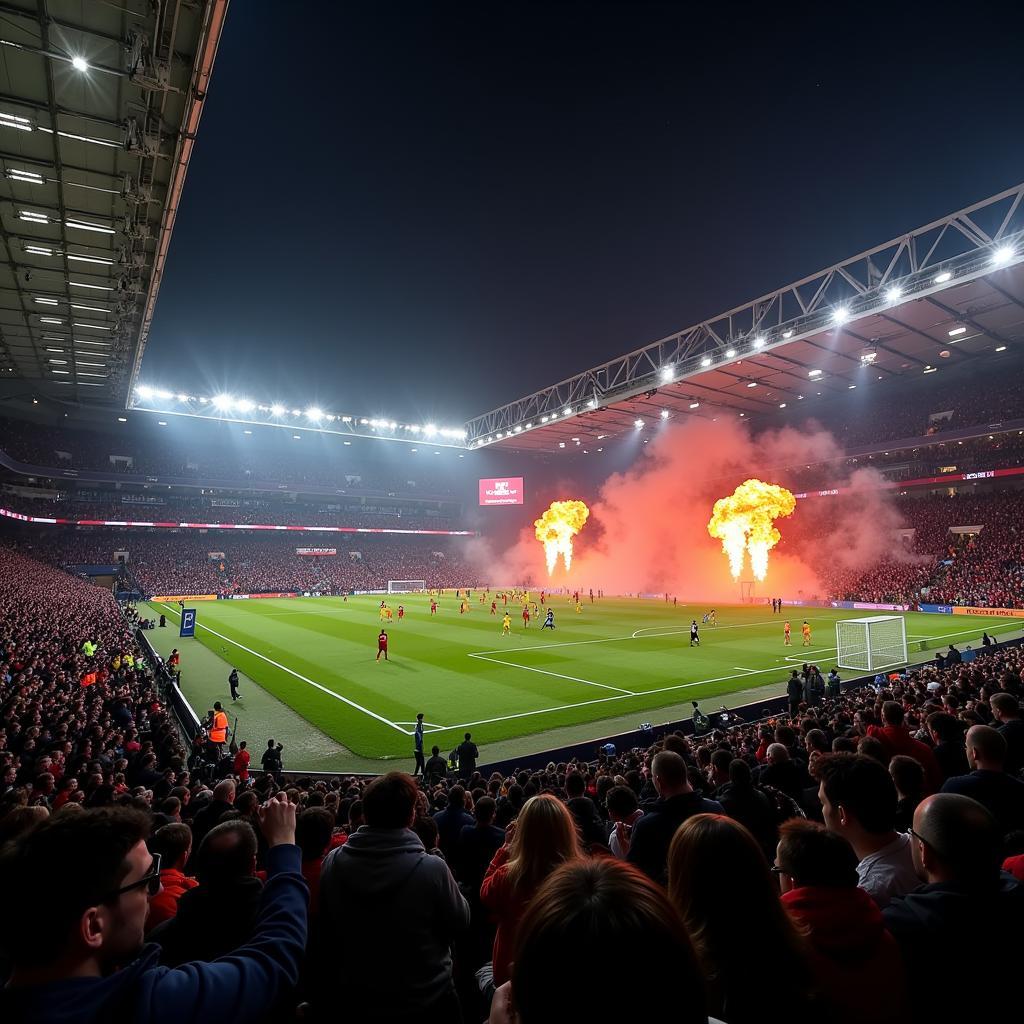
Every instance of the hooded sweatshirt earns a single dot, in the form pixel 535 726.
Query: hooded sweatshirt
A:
pixel 389 913
pixel 242 986
pixel 855 960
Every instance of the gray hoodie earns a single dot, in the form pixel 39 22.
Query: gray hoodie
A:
pixel 389 913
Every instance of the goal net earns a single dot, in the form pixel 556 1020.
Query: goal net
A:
pixel 406 586
pixel 871 643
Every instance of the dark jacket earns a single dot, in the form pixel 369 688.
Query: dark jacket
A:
pixel 240 987
pixel 210 922
pixel 789 776
pixel 474 851
pixel 750 807
pixel 450 822
pixel 1013 732
pixel 389 913
pixel 934 919
pixel 435 769
pixel 652 834
pixel 205 819
pixel 468 753
pixel 1002 794
pixel 952 758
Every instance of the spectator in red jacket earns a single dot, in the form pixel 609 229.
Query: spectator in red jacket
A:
pixel 896 738
pixel 854 959
pixel 541 839
pixel 174 844
pixel 241 765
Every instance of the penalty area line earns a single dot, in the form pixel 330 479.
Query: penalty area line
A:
pixel 292 672
pixel 548 672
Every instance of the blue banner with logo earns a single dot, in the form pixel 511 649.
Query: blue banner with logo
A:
pixel 188 622
pixel 936 609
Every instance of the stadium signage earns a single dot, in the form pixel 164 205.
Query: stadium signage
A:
pixel 936 609
pixel 501 491
pixel 869 606
pixel 316 551
pixel 1012 613
pixel 184 597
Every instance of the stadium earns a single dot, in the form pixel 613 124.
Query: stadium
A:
pixel 317 599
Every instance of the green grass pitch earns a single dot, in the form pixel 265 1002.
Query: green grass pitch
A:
pixel 616 657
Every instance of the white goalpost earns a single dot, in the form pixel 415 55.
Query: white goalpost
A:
pixel 871 643
pixel 406 586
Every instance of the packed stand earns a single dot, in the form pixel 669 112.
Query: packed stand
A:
pixel 833 861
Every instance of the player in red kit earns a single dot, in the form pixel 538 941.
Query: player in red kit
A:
pixel 382 645
pixel 526 616
pixel 494 607
pixel 433 607
pixel 401 613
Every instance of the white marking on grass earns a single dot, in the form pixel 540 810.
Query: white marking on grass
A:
pixel 292 672
pixel 548 672
pixel 686 630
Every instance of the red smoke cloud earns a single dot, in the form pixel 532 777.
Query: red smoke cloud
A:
pixel 648 526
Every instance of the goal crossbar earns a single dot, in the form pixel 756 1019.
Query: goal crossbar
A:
pixel 871 643
pixel 406 586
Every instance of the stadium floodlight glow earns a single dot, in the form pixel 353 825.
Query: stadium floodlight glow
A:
pixel 543 419
pixel 893 292
pixel 203 400
pixel 667 373
pixel 730 353
pixel 664 414
pixel 84 225
pixel 31 177
pixel 850 387
pixel 95 287
pixel 79 63
pixel 429 429
pixel 122 419
pixel 45 302
pixel 1002 255
pixel 759 341
pixel 814 373
pixel 639 424
pixel 567 412
pixel 528 426
pixel 165 395
pixel 314 414
pixel 787 334
pixel 561 444
pixel 942 278
pixel 782 405
pixel 930 369
pixel 296 412
pixel 245 405
pixel 346 419
pixel 38 250
pixel 32 217
pixel 144 391
pixel 592 404
pixel 705 362
pixel 91 309
pixel 50 320
pixel 95 327
pixel 415 428
pixel 957 331
pixel 78 257
pixel 223 402
pixel 752 384
pixel 695 405
pixel 182 398
pixel 840 315
pixel 517 429
pixel 1001 348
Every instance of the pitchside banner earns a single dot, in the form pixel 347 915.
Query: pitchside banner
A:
pixel 316 551
pixel 188 622
pixel 502 491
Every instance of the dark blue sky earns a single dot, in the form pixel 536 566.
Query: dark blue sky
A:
pixel 423 210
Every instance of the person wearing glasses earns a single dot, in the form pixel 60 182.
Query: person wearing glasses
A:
pixel 75 894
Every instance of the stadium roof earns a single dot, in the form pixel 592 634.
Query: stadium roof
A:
pixel 98 115
pixel 949 294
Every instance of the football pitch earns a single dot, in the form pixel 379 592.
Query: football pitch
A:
pixel 312 662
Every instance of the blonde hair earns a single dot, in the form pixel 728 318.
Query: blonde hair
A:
pixel 545 838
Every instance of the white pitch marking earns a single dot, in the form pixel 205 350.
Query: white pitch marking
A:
pixel 291 672
pixel 548 672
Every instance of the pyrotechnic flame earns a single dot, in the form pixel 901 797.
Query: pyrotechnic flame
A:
pixel 556 529
pixel 745 522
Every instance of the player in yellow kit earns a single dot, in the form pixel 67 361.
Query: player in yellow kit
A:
pixel 805 629
pixel 506 625
pixel 786 631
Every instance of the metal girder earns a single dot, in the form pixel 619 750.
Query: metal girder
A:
pixel 961 244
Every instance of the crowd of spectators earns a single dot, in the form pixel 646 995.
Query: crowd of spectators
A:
pixel 831 864
pixel 177 562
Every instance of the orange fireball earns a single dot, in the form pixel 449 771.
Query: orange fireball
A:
pixel 745 524
pixel 556 529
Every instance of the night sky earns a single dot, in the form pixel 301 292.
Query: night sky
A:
pixel 423 210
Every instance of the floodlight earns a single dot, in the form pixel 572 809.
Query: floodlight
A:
pixel 814 373
pixel 79 64
pixel 695 405
pixel 705 361
pixel 850 387
pixel 759 341
pixel 182 398
pixel 277 410
pixel 314 414
pixel 245 405
pixel 664 414
pixel 840 315
pixel 567 412
pixel 667 373
pixel 165 395
pixel 782 405
pixel 957 331
pixel 943 277
pixel 1001 348
pixel 462 433
pixel 296 412
pixel 893 292
pixel 752 384
pixel 429 429
pixel 638 423
pixel 223 402
pixel 592 404
pixel 1002 255
pixel 543 419
pixel 730 353
pixel 787 334
pixel 32 177
pixel 517 429
pixel 415 429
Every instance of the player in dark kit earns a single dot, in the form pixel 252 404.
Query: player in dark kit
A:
pixel 694 634
pixel 382 645
pixel 549 621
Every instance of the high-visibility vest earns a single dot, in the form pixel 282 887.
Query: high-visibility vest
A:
pixel 219 732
